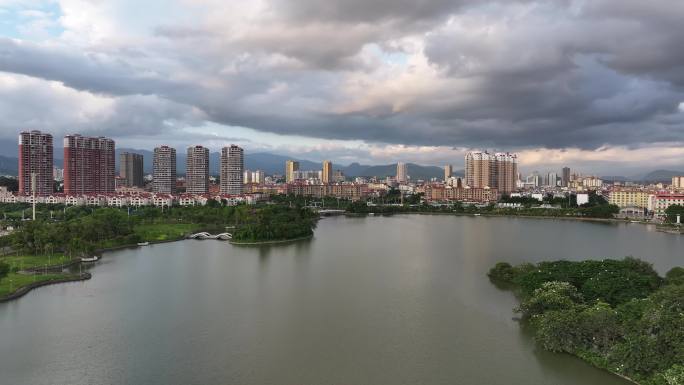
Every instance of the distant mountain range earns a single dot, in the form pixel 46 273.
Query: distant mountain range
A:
pixel 656 176
pixel 661 175
pixel 8 165
pixel 269 163
pixel 275 164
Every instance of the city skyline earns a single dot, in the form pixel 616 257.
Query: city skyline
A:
pixel 287 82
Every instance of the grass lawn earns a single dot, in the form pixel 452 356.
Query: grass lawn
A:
pixel 165 231
pixel 29 261
pixel 18 280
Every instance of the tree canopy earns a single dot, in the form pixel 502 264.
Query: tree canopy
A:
pixel 618 315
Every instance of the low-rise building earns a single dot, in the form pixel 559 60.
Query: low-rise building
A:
pixel 629 198
pixel 660 202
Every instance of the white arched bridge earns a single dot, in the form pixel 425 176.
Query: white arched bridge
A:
pixel 205 235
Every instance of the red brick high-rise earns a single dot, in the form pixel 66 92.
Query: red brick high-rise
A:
pixel 35 157
pixel 89 165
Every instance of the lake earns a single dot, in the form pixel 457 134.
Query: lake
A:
pixel 376 300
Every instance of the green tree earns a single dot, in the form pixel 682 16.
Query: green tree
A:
pixel 672 212
pixel 674 375
pixel 675 276
pixel 4 270
pixel 550 296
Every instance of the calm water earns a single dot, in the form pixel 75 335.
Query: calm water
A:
pixel 396 300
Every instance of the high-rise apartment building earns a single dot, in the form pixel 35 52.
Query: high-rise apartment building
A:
pixel 402 172
pixel 448 172
pixel 197 170
pixel 327 174
pixel 678 182
pixel 552 179
pixel 565 178
pixel 164 170
pixel 258 176
pixel 89 165
pixel 232 169
pixel 497 171
pixel 290 167
pixel 478 169
pixel 35 158
pixel 131 169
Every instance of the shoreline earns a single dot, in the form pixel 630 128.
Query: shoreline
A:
pixel 23 290
pixel 238 243
pixel 54 268
pixel 570 218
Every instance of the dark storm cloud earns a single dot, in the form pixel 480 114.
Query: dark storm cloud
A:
pixel 363 11
pixel 93 71
pixel 505 74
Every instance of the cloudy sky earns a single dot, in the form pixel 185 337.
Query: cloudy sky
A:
pixel 595 84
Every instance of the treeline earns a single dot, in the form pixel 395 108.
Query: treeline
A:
pixel 617 314
pixel 672 212
pixel 79 235
pixel 565 202
pixel 275 223
pixel 81 230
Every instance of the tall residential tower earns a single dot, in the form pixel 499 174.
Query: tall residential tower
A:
pixel 290 167
pixel 448 172
pixel 131 169
pixel 232 170
pixel 164 170
pixel 565 178
pixel 327 174
pixel 197 170
pixel 89 165
pixel 402 172
pixel 35 157
pixel 497 171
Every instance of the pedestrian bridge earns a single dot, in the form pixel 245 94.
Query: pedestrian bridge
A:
pixel 328 212
pixel 205 235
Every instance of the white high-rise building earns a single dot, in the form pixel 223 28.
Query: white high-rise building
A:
pixel 448 172
pixel 552 179
pixel 232 170
pixel 164 170
pixel 197 170
pixel 258 177
pixel 402 172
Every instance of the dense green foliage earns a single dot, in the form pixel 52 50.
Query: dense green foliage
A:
pixel 77 231
pixel 4 270
pixel 569 202
pixel 672 212
pixel 597 207
pixel 274 223
pixel 81 230
pixel 12 184
pixel 618 315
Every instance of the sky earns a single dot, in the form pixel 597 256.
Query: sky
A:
pixel 594 84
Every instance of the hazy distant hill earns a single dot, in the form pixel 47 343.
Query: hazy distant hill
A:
pixel 661 176
pixel 615 178
pixel 9 165
pixel 269 163
pixel 415 171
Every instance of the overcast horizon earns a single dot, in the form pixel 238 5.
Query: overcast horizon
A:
pixel 595 85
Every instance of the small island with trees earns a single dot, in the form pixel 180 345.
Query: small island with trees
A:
pixel 618 315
